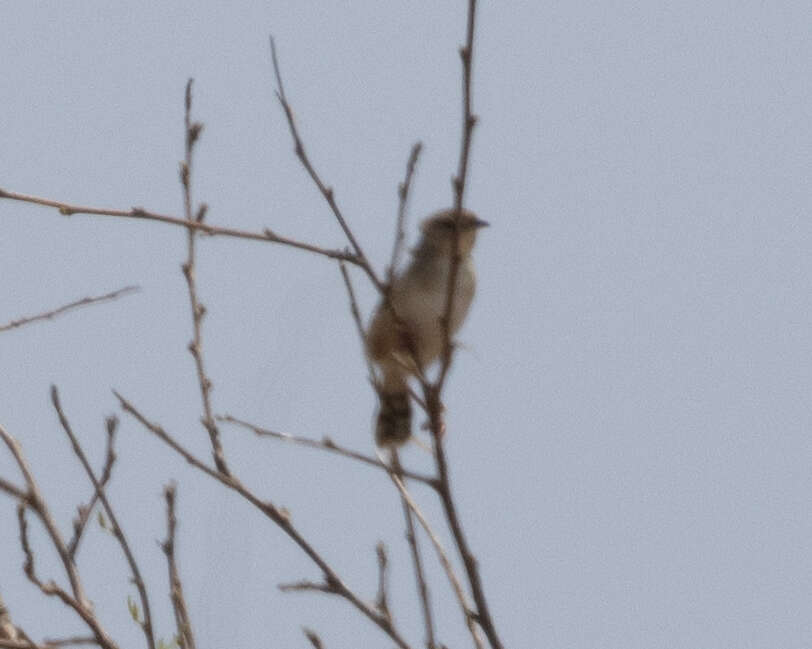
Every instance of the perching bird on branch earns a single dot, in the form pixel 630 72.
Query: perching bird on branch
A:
pixel 411 324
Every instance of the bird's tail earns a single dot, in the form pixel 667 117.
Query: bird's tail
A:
pixel 394 423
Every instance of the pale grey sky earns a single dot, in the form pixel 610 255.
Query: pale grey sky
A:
pixel 629 422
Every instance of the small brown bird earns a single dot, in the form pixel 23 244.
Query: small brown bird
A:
pixel 411 323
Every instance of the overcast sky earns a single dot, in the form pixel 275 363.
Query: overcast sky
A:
pixel 629 423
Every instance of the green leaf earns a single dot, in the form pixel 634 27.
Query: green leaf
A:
pixel 135 612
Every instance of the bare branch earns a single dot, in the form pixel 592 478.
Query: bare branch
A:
pixel 477 618
pixel 25 544
pixel 48 644
pixel 12 490
pixel 468 118
pixel 326 191
pixel 433 392
pixel 12 636
pixel 469 561
pixel 382 599
pixel 403 199
pixel 327 444
pixel 184 627
pixel 301 586
pixel 85 301
pixel 118 532
pixel 443 556
pixel 459 182
pixel 356 316
pixel 314 639
pixel 70 642
pixel 267 235
pixel 193 130
pixel 279 516
pixel 356 313
pixel 417 562
pixel 35 501
pixel 80 522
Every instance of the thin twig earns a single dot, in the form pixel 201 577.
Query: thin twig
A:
pixel 382 598
pixel 80 522
pixel 47 644
pixel 314 639
pixel 417 562
pixel 29 569
pixel 85 301
pixel 459 182
pixel 356 313
pixel 193 130
pixel 301 586
pixel 267 235
pixel 117 530
pixel 327 444
pixel 483 615
pixel 443 556
pixel 433 393
pixel 356 316
pixel 185 636
pixel 326 192
pixel 403 199
pixel 33 500
pixel 277 515
pixel 12 490
pixel 69 642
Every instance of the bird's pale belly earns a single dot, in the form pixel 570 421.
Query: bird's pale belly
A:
pixel 423 310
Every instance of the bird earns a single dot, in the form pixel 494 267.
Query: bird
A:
pixel 407 323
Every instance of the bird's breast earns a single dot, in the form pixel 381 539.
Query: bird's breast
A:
pixel 421 301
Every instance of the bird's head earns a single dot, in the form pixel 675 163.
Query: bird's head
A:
pixel 441 229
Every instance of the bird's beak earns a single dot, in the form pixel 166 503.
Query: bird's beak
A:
pixel 479 223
